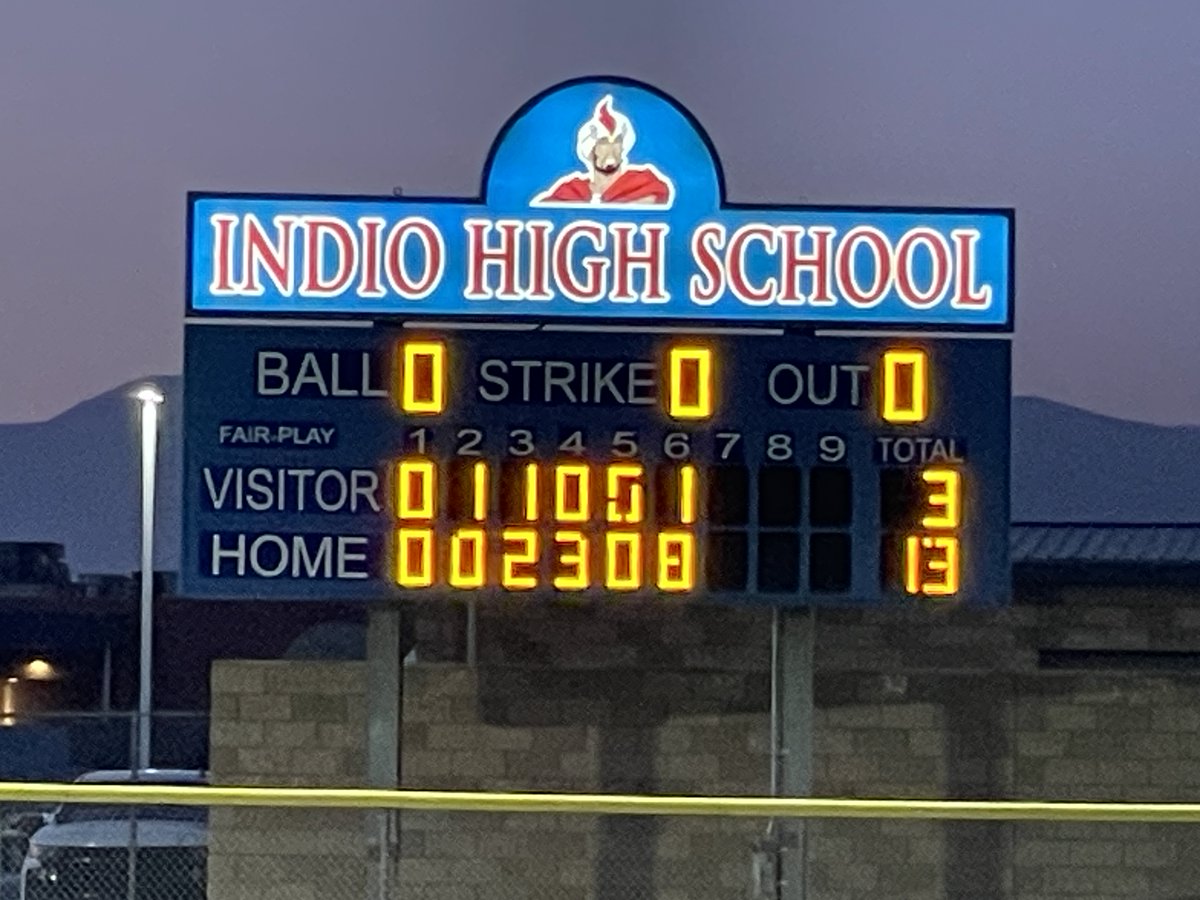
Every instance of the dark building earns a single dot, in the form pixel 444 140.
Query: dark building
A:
pixel 69 661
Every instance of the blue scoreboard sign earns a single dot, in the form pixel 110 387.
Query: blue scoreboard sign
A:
pixel 598 380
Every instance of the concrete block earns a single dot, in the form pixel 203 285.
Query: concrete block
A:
pixel 341 736
pixel 264 708
pixel 451 737
pixel 673 738
pixel 340 678
pixel 448 871
pixel 1150 854
pixel 855 717
pixel 420 765
pixel 441 680
pixel 426 710
pixel 1175 719
pixel 476 764
pixel 505 738
pixel 1069 717
pixel 1042 744
pixel 886 742
pixel 264 761
pixel 1093 853
pixel 318 707
pixel 237 677
pixel 696 767
pixel 290 734
pixel 224 733
pixel 323 764
pixel 223 706
pixel 926 742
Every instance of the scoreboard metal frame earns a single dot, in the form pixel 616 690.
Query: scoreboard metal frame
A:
pixel 729 450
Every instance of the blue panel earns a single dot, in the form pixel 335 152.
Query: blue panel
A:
pixel 654 239
pixel 792 464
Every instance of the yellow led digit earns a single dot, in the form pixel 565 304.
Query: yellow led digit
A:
pixel 467 558
pixel 623 560
pixel 689 388
pixel 414 557
pixel 625 494
pixel 687 495
pixel 416 488
pixel 945 501
pixel 931 565
pixel 531 492
pixel 423 378
pixel 479 477
pixel 520 550
pixel 571 492
pixel 676 561
pixel 905 386
pixel 573 555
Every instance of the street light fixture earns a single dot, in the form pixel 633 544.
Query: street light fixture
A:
pixel 150 399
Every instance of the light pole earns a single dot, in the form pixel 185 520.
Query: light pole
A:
pixel 150 399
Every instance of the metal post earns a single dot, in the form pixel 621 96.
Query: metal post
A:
pixel 472 634
pixel 383 730
pixel 131 860
pixel 106 679
pixel 796 636
pixel 150 399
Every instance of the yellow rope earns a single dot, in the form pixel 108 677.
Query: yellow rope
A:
pixel 601 804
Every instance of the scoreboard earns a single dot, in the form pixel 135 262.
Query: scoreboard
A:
pixel 442 400
pixel 765 468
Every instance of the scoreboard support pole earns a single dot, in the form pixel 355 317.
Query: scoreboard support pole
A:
pixel 384 698
pixel 792 677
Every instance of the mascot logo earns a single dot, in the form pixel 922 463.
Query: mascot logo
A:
pixel 602 145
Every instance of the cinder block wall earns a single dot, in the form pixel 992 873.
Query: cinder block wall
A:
pixel 287 724
pixel 913 704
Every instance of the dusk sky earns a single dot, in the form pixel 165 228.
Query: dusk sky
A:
pixel 1084 115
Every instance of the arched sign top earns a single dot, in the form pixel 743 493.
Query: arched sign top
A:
pixel 603 144
pixel 602 200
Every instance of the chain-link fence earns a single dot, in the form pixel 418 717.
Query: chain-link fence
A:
pixel 171 852
pixel 99 851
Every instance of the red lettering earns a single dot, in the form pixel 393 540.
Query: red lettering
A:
pixel 539 260
pixel 318 231
pixel 592 287
pixel 432 251
pixel 794 262
pixel 707 241
pixel 223 225
pixel 939 257
pixel 735 264
pixel 965 295
pixel 848 284
pixel 480 256
pixel 260 252
pixel 649 260
pixel 368 285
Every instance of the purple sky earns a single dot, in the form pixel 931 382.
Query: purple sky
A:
pixel 1081 114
